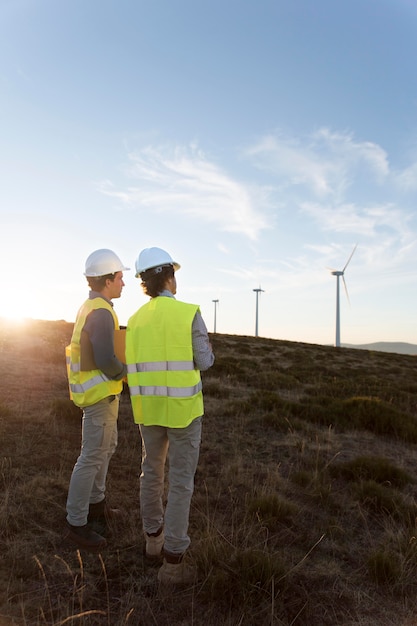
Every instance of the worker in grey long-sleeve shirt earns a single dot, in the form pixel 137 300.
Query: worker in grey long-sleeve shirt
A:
pixel 167 345
pixel 95 377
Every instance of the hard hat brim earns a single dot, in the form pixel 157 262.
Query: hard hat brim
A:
pixel 176 267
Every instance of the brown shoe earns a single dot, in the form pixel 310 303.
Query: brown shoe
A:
pixel 177 573
pixel 101 510
pixel 101 517
pixel 85 538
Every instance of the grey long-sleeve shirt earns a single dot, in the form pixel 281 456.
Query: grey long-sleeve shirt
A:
pixel 99 326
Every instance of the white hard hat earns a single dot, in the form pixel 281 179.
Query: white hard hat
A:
pixel 102 262
pixel 154 258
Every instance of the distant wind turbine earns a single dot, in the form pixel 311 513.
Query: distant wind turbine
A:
pixel 216 302
pixel 338 274
pixel 257 291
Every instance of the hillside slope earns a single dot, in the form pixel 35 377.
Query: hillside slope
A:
pixel 305 498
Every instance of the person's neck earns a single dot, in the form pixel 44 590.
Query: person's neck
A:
pixel 166 293
pixel 105 294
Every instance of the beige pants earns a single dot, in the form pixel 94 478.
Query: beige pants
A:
pixel 182 447
pixel 99 441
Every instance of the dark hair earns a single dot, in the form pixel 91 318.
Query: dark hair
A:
pixel 154 283
pixel 97 283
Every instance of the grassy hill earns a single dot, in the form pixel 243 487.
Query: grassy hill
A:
pixel 304 510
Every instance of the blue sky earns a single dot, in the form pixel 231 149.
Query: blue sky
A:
pixel 257 141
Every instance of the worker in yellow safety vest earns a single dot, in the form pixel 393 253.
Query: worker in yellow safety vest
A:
pixel 167 345
pixel 95 376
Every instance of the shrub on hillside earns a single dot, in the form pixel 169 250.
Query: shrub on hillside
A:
pixel 358 413
pixel 384 567
pixel 374 468
pixel 272 509
pixel 378 499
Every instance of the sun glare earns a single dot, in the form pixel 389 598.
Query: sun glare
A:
pixel 10 320
pixel 14 311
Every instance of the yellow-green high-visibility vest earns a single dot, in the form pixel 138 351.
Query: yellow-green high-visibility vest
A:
pixel 90 386
pixel 165 386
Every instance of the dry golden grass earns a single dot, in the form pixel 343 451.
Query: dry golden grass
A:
pixel 305 502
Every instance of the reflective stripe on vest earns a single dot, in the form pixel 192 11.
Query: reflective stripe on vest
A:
pixel 161 366
pixel 90 383
pixel 170 392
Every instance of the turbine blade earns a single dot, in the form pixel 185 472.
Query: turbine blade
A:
pixel 348 261
pixel 346 291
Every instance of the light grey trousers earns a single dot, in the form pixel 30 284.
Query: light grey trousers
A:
pixel 182 448
pixel 99 440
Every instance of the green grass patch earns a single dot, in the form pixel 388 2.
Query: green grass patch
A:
pixel 384 567
pixel 358 413
pixel 379 499
pixel 272 510
pixel 378 469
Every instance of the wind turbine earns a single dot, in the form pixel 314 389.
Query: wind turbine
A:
pixel 338 274
pixel 216 302
pixel 257 291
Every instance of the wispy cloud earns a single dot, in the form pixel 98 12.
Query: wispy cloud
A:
pixel 344 185
pixel 292 163
pixel 327 182
pixel 350 153
pixel 325 162
pixel 369 221
pixel 407 178
pixel 184 181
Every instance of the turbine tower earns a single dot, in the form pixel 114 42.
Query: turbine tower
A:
pixel 257 291
pixel 338 274
pixel 216 302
